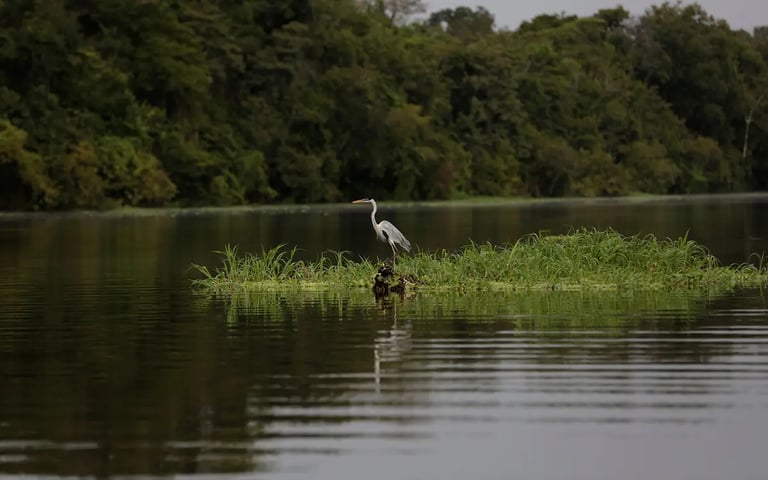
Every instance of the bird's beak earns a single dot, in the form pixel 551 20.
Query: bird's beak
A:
pixel 362 200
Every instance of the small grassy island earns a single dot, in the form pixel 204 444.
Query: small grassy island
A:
pixel 581 260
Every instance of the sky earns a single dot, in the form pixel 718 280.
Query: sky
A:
pixel 740 14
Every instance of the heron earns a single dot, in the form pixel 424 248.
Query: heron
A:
pixel 386 232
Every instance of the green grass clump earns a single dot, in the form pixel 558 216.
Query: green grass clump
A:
pixel 581 260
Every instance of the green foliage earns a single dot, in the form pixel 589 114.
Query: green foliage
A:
pixel 649 166
pixel 582 260
pixel 120 102
pixel 23 179
pixel 111 171
pixel 704 167
pixel 81 184
pixel 463 22
pixel 131 173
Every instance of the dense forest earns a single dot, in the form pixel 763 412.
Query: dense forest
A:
pixel 105 103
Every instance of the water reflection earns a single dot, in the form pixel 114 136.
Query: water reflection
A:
pixel 111 366
pixel 283 382
pixel 162 245
pixel 458 368
pixel 393 343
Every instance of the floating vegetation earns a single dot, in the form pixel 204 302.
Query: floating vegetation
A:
pixel 581 260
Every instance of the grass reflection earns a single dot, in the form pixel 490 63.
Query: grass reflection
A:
pixel 537 308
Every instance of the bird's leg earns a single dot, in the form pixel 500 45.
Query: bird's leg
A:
pixel 394 257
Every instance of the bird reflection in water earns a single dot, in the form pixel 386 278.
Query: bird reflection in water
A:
pixel 392 344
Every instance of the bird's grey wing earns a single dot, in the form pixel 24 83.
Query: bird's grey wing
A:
pixel 395 235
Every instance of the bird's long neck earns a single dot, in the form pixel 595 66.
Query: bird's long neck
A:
pixel 373 215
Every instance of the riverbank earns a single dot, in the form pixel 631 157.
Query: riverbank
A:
pixel 465 202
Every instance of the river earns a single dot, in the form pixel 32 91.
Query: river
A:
pixel 112 366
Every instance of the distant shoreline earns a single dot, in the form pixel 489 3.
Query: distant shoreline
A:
pixel 470 202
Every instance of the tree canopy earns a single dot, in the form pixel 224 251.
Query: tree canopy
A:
pixel 106 103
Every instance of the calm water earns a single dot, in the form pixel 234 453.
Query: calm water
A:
pixel 111 366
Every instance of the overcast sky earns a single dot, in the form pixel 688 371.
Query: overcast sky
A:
pixel 744 14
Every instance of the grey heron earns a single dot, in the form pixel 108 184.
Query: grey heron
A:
pixel 386 232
